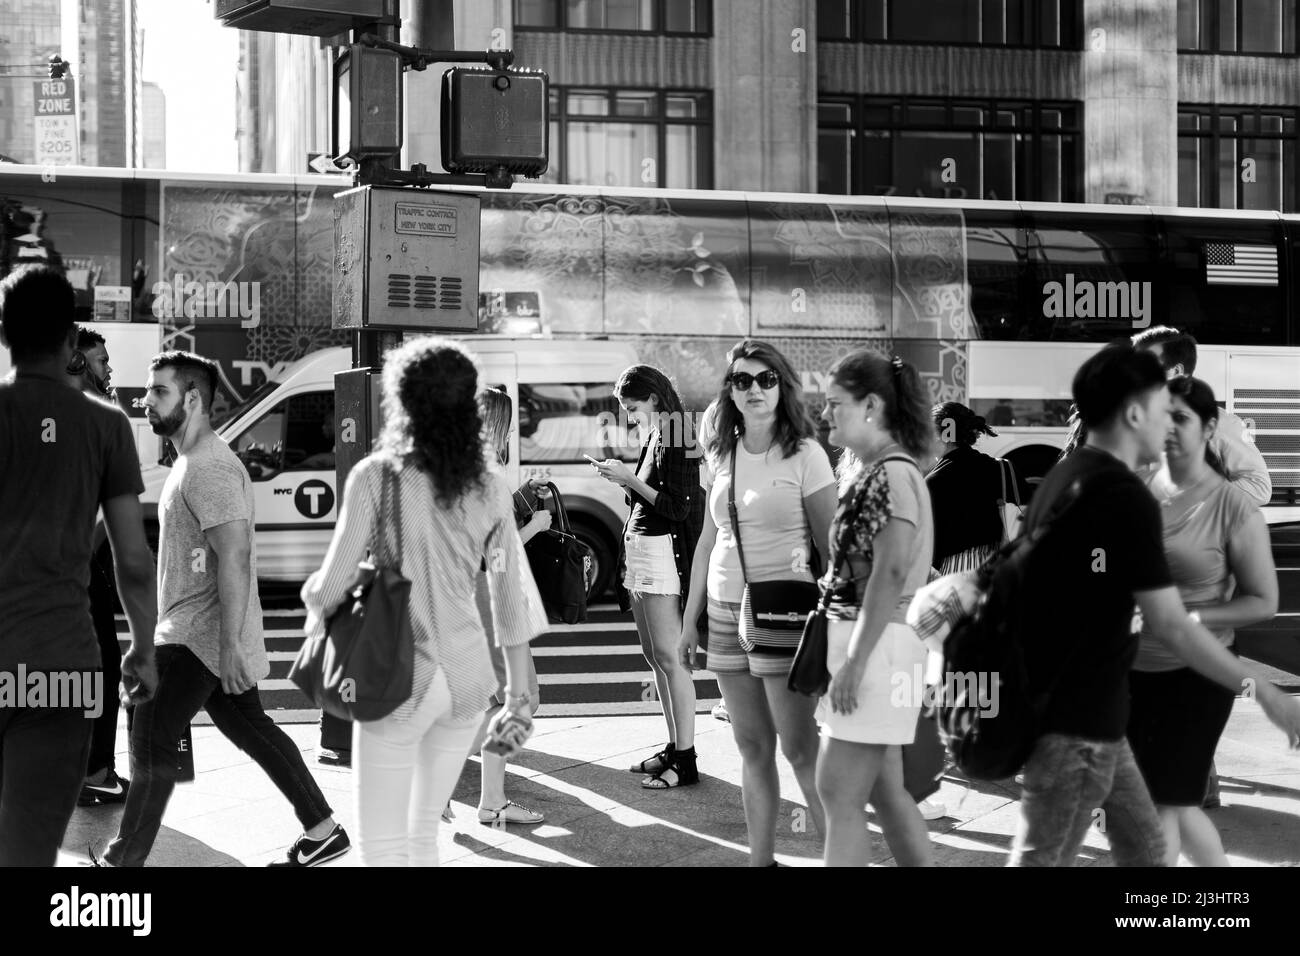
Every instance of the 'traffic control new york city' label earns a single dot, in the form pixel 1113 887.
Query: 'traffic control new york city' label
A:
pixel 418 219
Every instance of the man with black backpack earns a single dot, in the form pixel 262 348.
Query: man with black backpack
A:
pixel 1074 615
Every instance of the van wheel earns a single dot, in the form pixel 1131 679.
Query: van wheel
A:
pixel 606 559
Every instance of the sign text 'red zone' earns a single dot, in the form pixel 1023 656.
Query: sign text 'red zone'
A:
pixel 413 219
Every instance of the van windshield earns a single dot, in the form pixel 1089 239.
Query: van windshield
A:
pixel 221 417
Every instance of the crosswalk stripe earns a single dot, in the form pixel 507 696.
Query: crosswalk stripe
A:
pixel 627 677
pixel 587 650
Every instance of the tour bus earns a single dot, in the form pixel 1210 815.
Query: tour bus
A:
pixel 995 303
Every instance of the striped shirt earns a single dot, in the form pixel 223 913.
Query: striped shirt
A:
pixel 443 550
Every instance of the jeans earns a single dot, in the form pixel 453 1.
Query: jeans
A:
pixel 42 763
pixel 186 686
pixel 404 773
pixel 103 742
pixel 1072 784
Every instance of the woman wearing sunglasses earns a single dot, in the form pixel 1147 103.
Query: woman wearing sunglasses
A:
pixel 784 494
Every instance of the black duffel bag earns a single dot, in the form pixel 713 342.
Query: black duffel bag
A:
pixel 562 567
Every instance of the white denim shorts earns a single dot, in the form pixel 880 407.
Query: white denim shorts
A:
pixel 651 568
pixel 892 689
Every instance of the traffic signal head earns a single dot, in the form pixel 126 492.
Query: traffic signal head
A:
pixel 58 67
pixel 495 121
pixel 368 103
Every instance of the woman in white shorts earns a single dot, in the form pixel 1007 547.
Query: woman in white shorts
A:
pixel 667 509
pixel 882 541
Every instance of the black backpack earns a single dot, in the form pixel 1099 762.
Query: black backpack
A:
pixel 988 647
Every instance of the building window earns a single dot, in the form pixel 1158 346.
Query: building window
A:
pixel 1237 157
pixel 618 16
pixel 623 137
pixel 1031 23
pixel 950 148
pixel 1237 26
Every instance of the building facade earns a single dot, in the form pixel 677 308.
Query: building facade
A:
pixel 30 35
pixel 1168 102
pixel 153 133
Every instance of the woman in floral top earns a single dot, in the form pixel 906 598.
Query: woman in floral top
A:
pixel 882 538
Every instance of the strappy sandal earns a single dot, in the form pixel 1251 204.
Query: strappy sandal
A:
pixel 683 770
pixel 657 763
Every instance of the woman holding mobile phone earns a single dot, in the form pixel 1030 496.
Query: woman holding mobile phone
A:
pixel 667 510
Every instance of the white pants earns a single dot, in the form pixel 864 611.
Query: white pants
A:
pixel 403 775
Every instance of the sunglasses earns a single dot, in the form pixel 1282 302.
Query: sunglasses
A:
pixel 741 381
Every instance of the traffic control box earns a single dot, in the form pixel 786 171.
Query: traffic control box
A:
pixel 406 259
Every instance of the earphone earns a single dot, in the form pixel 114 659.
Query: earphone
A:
pixel 77 364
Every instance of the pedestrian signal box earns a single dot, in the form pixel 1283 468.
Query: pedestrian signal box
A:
pixel 406 259
pixel 495 121
pixel 318 18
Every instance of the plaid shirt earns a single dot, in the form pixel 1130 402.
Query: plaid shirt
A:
pixel 680 502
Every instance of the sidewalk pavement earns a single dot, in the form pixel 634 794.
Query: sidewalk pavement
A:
pixel 597 814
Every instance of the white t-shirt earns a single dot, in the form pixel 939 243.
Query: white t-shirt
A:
pixel 770 490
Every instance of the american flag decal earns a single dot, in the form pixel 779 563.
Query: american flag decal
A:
pixel 1234 264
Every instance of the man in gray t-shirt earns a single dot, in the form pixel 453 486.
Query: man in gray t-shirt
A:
pixel 208 488
pixel 210 651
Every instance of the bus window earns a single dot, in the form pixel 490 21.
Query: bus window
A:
pixel 1223 280
pixel 676 266
pixel 559 423
pixel 931 297
pixel 820 266
pixel 1094 277
pixel 995 270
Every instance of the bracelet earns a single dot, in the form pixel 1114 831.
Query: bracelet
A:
pixel 520 701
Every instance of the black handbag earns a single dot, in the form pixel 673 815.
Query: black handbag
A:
pixel 772 613
pixel 809 672
pixel 562 567
pixel 363 667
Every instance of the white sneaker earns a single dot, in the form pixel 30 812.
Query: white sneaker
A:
pixel 720 712
pixel 931 810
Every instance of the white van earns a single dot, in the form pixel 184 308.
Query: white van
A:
pixel 284 434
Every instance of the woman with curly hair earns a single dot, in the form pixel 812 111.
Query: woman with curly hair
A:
pixel 456 513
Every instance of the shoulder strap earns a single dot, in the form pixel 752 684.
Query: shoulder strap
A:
pixel 390 487
pixel 735 518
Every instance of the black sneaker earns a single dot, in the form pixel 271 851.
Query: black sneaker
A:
pixel 308 852
pixel 112 790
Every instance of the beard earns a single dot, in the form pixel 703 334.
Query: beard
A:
pixel 168 425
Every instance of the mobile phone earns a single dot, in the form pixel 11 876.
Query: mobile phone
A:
pixel 594 461
pixel 508 736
